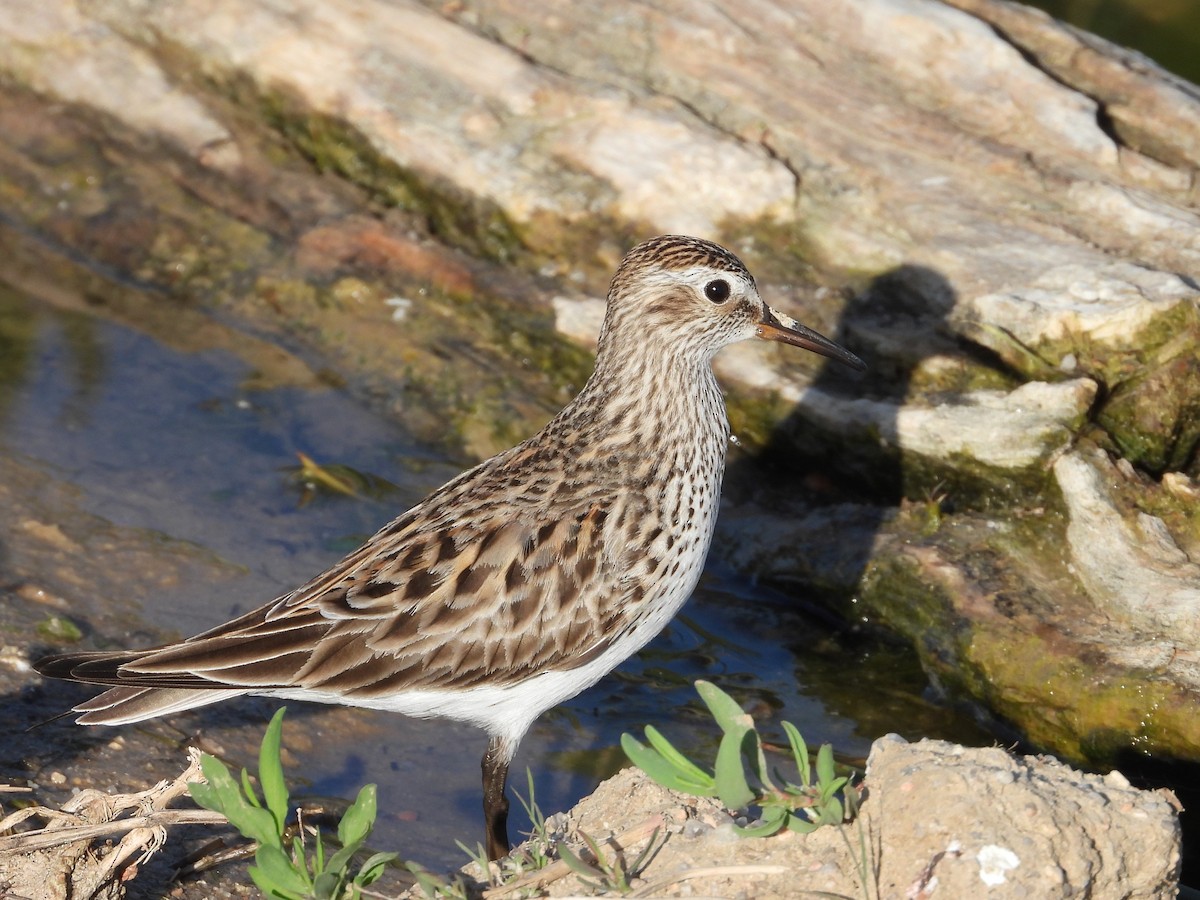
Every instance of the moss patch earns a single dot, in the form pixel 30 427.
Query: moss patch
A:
pixel 997 620
pixel 1150 396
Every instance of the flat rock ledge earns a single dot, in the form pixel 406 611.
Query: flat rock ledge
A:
pixel 937 820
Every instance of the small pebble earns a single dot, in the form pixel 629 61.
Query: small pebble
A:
pixel 694 828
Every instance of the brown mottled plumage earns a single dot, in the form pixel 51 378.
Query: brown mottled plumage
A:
pixel 526 579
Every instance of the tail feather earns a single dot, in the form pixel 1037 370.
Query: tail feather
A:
pixel 66 665
pixel 123 705
pixel 118 667
pixel 131 702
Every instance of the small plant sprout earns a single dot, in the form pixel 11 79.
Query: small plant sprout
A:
pixel 537 852
pixel 603 874
pixel 533 855
pixel 817 800
pixel 435 887
pixel 283 869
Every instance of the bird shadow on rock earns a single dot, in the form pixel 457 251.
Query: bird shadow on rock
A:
pixel 803 515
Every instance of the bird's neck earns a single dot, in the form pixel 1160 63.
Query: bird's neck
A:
pixel 663 404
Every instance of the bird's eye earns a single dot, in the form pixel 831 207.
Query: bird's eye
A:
pixel 717 291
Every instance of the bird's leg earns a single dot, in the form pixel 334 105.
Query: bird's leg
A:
pixel 495 802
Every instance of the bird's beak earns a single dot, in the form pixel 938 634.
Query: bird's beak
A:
pixel 775 326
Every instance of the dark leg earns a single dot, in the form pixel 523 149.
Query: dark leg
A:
pixel 495 801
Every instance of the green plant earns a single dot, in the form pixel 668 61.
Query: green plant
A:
pixel 803 807
pixel 537 852
pixel 436 887
pixel 604 874
pixel 532 856
pixel 283 869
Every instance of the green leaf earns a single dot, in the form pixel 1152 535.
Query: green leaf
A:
pixel 270 770
pixel 221 789
pixel 723 707
pixel 359 819
pixel 272 866
pixel 832 813
pixel 833 788
pixel 223 795
pixel 318 862
pixel 248 789
pixel 207 796
pixel 773 819
pixel 576 864
pixel 688 770
pixel 341 858
pixel 269 889
pixel 537 819
pixel 799 752
pixel 752 751
pixel 730 774
pixel 431 885
pixel 659 770
pixel 825 771
pixel 373 868
pixel 257 824
pixel 328 886
pixel 801 824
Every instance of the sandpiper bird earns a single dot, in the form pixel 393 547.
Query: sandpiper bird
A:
pixel 524 580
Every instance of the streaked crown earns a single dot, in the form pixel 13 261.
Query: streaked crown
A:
pixel 678 252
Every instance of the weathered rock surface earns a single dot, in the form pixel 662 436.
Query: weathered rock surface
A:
pixel 961 822
pixel 938 820
pixel 999 212
pixel 1133 567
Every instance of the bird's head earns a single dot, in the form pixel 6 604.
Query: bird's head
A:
pixel 695 297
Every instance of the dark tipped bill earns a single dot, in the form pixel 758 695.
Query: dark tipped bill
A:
pixel 775 326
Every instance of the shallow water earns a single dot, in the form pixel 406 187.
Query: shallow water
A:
pixel 187 445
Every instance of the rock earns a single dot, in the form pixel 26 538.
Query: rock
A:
pixel 1111 305
pixel 1005 430
pixel 1127 560
pixel 1151 111
pixel 937 819
pixel 579 320
pixel 1153 415
pixel 957 822
pixel 439 101
pixel 62 51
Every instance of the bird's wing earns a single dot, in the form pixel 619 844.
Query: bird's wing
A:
pixel 428 602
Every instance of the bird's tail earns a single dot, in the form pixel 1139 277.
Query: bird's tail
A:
pixel 120 706
pixel 128 703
